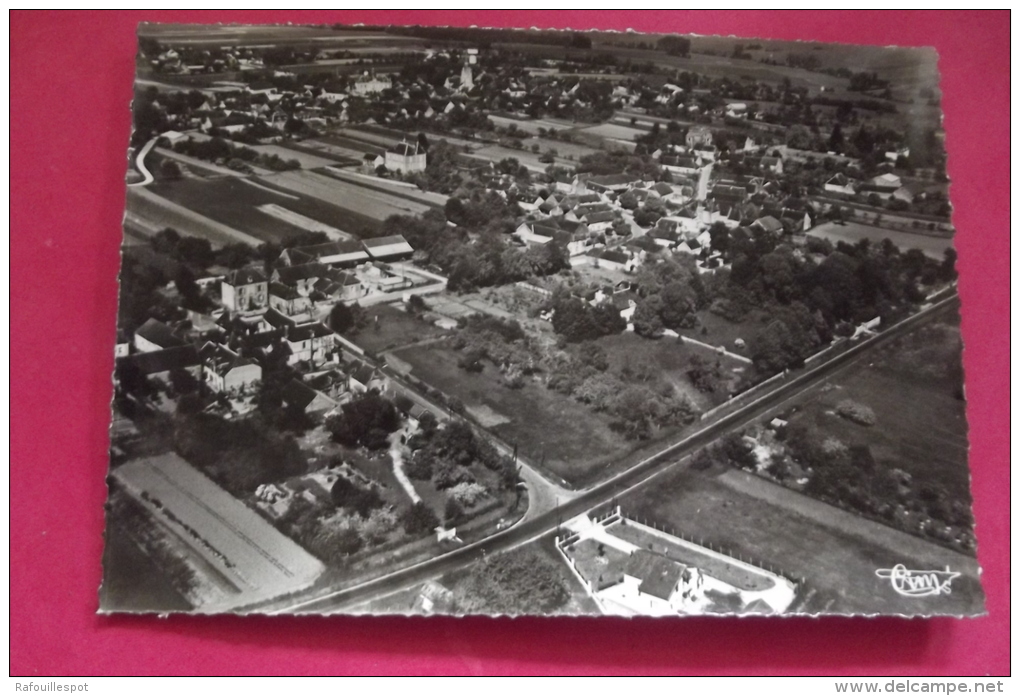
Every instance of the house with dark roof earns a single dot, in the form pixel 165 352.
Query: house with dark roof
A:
pixel 154 335
pixel 300 396
pixel 311 343
pixel 339 286
pixel 657 582
pixel 612 182
pixel 767 223
pixel 573 236
pixel 287 300
pixel 245 290
pixel 226 372
pixel 300 277
pixel 160 363
pixel 343 254
pixel 362 377
pixel 616 259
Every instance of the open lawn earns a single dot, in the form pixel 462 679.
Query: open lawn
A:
pixel 853 232
pixel 531 125
pixel 551 430
pixel 834 552
pixel 724 333
pixel 389 328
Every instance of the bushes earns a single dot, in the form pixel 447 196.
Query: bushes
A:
pixel 468 494
pixel 856 412
pixel 419 519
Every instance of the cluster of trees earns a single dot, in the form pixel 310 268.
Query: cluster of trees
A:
pixel 237 157
pixel 671 293
pixel 577 320
pixel 487 261
pixel 365 421
pixel 520 582
pixel 632 396
pixel 445 456
pixel 808 299
pixel 675 46
pixel 501 342
pixel 614 162
pixel 348 318
pixel 240 455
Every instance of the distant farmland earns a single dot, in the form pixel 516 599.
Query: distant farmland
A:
pixel 232 201
pixel 369 203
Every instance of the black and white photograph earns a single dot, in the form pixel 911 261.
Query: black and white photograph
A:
pixel 460 321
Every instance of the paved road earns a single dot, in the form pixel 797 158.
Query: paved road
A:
pixel 539 524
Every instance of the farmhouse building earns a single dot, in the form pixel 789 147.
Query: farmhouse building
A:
pixel 405 157
pixel 244 290
pixel 226 372
pixel 154 335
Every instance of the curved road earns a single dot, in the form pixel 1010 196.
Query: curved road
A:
pixel 532 527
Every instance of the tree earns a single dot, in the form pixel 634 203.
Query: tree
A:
pixel 647 317
pixel 170 170
pixel 346 318
pixel 453 511
pixel 419 519
pixel 836 139
pixel 362 501
pixel 364 421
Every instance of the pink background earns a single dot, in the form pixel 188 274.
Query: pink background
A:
pixel 70 90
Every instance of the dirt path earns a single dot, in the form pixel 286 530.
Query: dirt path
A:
pixel 397 455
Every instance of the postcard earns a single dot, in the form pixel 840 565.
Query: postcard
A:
pixel 437 320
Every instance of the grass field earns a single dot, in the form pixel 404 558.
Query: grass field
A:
pixel 233 202
pixel 495 153
pixel 389 328
pixel 853 232
pixel 723 332
pixel 836 562
pixel 550 429
pixel 914 387
pixel 360 200
pixel 350 144
pixel 668 361
pixel 614 131
pixel 131 582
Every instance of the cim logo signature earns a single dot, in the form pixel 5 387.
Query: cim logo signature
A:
pixel 918 583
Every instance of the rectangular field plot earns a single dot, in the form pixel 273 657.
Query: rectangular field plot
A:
pixel 235 202
pixel 853 232
pixel 550 429
pixel 243 547
pixel 834 553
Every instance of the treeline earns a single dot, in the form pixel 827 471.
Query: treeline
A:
pixel 237 157
pixel 484 38
pixel 811 298
pixel 486 261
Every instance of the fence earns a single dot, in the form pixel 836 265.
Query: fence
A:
pixel 714 548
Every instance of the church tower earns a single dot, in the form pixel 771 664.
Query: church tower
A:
pixel 467 79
